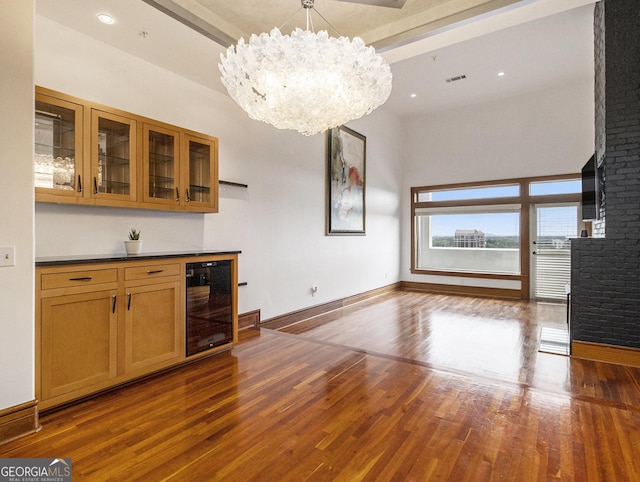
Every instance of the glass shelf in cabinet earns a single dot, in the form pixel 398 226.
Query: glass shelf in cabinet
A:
pixel 201 151
pixel 161 180
pixel 122 145
pixel 60 129
pixel 113 187
pixel 196 188
pixel 114 130
pixel 50 147
pixel 157 158
pixel 39 182
pixel 47 122
pixel 120 161
pixel 162 192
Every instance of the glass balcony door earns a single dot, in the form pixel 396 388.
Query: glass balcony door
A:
pixel 554 226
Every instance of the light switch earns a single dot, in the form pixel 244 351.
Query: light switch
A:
pixel 7 256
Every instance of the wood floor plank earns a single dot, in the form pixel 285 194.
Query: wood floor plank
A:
pixel 380 391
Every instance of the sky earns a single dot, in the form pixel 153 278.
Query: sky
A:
pixel 552 221
pixel 537 189
pixel 560 221
pixel 498 224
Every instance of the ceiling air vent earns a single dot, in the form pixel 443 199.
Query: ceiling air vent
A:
pixel 456 78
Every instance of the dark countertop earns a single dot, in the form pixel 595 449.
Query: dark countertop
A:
pixel 105 258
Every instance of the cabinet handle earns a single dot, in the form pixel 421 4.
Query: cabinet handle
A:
pixel 79 183
pixel 188 197
pixel 113 305
pixel 95 185
pixel 155 271
pixel 128 301
pixel 83 278
pixel 178 194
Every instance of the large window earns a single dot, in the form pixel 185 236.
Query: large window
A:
pixel 481 229
pixel 483 240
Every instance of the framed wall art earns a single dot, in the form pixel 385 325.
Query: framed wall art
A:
pixel 346 181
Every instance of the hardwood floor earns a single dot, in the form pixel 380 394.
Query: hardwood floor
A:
pixel 405 387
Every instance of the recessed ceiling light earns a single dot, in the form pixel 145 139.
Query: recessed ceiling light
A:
pixel 500 74
pixel 106 19
pixel 414 96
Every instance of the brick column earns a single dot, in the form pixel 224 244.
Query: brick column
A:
pixel 605 272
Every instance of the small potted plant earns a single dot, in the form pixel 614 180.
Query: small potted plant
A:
pixel 134 244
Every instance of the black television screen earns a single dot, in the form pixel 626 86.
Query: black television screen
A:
pixel 590 210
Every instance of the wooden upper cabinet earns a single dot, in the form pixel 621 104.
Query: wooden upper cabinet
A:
pixel 87 153
pixel 200 173
pixel 161 165
pixel 113 156
pixel 58 157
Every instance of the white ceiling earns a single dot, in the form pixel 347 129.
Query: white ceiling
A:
pixel 538 44
pixel 376 25
pixel 541 54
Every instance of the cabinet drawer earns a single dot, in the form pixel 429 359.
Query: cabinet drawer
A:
pixel 152 271
pixel 68 279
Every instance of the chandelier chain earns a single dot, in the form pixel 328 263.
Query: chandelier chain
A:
pixel 308 5
pixel 328 23
pixel 289 19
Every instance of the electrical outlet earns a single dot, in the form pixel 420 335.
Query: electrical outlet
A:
pixel 8 256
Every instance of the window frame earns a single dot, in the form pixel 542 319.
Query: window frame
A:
pixel 524 200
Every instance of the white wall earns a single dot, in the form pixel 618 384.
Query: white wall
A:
pixel 542 133
pixel 16 206
pixel 278 222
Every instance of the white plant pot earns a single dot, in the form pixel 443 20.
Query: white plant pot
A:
pixel 133 247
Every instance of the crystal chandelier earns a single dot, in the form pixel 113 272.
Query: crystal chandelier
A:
pixel 305 81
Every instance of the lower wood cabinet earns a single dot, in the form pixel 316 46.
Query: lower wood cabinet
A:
pixel 79 335
pixel 100 325
pixel 152 334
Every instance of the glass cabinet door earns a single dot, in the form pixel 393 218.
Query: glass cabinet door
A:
pixel 113 156
pixel 161 161
pixel 58 146
pixel 201 164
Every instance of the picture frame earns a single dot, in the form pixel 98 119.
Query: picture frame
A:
pixel 346 182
